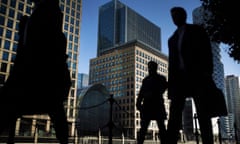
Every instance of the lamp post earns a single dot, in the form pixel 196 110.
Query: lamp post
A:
pixel 110 123
pixel 219 132
pixel 196 128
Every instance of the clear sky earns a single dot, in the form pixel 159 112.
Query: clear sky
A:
pixel 156 11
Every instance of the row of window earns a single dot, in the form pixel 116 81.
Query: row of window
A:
pixel 116 57
pixel 147 58
pixel 14 6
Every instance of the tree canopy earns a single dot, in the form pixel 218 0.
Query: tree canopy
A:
pixel 224 25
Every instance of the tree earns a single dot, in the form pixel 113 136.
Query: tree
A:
pixel 224 26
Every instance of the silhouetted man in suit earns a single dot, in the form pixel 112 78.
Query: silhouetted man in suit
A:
pixel 150 102
pixel 190 70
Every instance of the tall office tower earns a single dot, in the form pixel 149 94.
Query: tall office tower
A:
pixel 233 104
pixel 10 13
pixel 119 24
pixel 126 43
pixel 82 80
pixel 218 72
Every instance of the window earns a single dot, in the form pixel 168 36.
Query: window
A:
pixel 10 23
pixel 13 3
pixel 13 57
pixel 28 10
pixel 2 19
pixel 16 37
pixel 19 15
pixel 71 29
pixel 11 13
pixel 72 20
pixel 2 78
pixel 78 7
pixel 72 13
pixel 67 10
pixel 9 34
pixel 67 18
pixel 3 9
pixel 66 27
pixel 14 47
pixel 20 6
pixel 1 31
pixel 5 56
pixel 7 45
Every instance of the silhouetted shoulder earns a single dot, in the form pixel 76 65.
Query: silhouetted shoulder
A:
pixel 163 82
pixel 162 77
pixel 196 28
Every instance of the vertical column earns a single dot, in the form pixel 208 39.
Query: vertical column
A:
pixel 34 122
pixel 48 124
pixel 72 128
pixel 196 128
pixel 17 129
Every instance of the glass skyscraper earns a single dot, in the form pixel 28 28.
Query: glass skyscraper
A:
pixel 119 24
pixel 10 13
pixel 233 104
pixel 82 80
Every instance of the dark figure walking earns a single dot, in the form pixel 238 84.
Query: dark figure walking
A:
pixel 150 102
pixel 190 71
pixel 39 82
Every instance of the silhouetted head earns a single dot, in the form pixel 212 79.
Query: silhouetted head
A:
pixel 179 16
pixel 51 2
pixel 152 67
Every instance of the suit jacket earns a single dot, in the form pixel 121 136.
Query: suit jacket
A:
pixel 197 56
pixel 150 100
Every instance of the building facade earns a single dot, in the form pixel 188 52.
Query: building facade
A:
pixel 82 80
pixel 121 71
pixel 10 13
pixel 233 104
pixel 119 24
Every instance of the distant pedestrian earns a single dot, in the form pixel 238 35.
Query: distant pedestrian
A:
pixel 150 102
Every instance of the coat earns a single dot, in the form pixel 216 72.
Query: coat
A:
pixel 197 57
pixel 150 101
pixel 195 80
pixel 40 78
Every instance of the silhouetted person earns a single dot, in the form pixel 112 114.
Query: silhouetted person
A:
pixel 190 71
pixel 40 80
pixel 150 102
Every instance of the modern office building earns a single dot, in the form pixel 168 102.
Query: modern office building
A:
pixel 233 104
pixel 121 71
pixel 119 24
pixel 10 13
pixel 82 80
